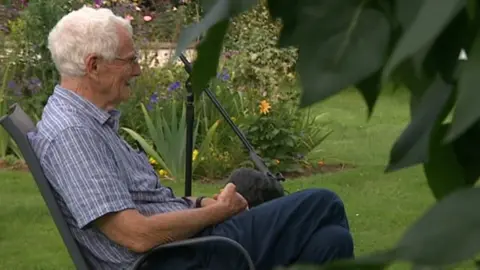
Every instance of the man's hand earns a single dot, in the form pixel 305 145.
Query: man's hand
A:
pixel 232 200
pixel 208 201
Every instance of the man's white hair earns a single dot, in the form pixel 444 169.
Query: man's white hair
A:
pixel 83 32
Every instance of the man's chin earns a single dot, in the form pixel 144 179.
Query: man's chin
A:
pixel 126 93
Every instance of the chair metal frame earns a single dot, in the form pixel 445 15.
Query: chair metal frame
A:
pixel 18 124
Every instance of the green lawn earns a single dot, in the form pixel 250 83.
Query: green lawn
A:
pixel 380 205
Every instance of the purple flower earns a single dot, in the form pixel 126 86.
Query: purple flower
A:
pixel 16 89
pixel 98 2
pixel 149 107
pixel 174 86
pixel 154 98
pixel 34 85
pixel 224 76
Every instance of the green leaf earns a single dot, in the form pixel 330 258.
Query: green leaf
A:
pixel 205 144
pixel 286 11
pixel 448 233
pixel 467 111
pixel 406 11
pixel 370 88
pixel 432 17
pixel 148 149
pixel 466 149
pixel 333 44
pixel 209 50
pixel 444 172
pixel 217 12
pixel 472 8
pixel 443 55
pixel 412 146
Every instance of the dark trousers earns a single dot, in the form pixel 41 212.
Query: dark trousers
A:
pixel 308 226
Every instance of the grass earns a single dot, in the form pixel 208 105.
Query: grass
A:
pixel 380 206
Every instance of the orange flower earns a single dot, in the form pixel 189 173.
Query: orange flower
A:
pixel 264 107
pixel 321 163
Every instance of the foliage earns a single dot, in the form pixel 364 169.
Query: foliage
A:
pixel 283 135
pixel 251 45
pixel 7 144
pixel 35 74
pixel 152 21
pixel 161 88
pixel 369 44
pixel 169 136
pixel 8 12
pixel 156 84
pixel 28 29
pixel 247 79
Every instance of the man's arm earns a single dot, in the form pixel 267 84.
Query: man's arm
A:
pixel 80 166
pixel 140 234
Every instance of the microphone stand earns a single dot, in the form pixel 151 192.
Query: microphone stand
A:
pixel 256 159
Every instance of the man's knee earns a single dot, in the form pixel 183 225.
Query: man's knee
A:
pixel 341 242
pixel 321 194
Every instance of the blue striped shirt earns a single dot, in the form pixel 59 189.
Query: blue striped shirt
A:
pixel 94 172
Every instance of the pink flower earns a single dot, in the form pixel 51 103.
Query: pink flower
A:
pixel 147 18
pixel 128 17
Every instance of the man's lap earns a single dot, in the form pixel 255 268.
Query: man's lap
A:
pixel 277 227
pixel 274 232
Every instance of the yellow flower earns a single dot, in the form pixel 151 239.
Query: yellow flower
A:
pixel 162 173
pixel 152 161
pixel 194 154
pixel 264 107
pixel 277 161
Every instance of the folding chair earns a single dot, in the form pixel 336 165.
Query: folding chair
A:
pixel 17 123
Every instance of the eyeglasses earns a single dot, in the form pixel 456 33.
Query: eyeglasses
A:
pixel 132 60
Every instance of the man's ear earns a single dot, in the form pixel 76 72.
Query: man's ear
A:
pixel 92 65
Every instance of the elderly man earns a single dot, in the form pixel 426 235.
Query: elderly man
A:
pixel 113 200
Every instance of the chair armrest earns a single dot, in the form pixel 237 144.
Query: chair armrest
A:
pixel 194 241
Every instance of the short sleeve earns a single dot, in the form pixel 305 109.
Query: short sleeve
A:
pixel 81 167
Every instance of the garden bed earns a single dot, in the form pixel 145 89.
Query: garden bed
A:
pixel 324 168
pixel 18 165
pixel 314 170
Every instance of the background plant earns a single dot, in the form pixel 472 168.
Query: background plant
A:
pixel 246 77
pixel 369 44
pixel 167 131
pixel 7 145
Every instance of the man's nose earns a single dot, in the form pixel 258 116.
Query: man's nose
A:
pixel 136 70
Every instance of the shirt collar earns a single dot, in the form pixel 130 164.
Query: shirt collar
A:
pixel 111 118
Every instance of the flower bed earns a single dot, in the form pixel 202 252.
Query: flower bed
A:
pixel 257 90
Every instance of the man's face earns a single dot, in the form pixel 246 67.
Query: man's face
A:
pixel 113 78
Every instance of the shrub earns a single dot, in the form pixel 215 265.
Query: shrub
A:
pixel 259 63
pixel 284 135
pixel 244 80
